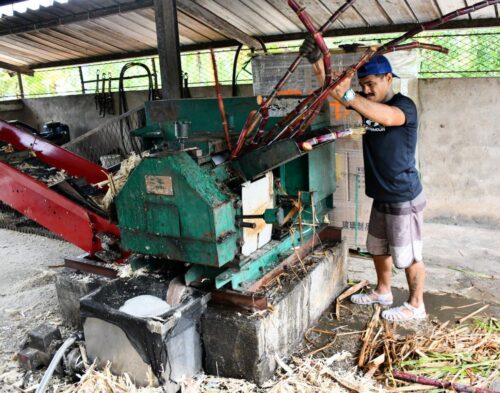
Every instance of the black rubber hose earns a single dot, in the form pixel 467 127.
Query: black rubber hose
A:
pixel 235 67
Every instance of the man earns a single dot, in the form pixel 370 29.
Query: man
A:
pixel 395 227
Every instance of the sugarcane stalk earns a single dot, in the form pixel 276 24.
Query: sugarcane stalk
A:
pixel 308 145
pixel 391 46
pixel 322 93
pixel 314 110
pixel 417 45
pixel 298 114
pixel 220 101
pixel 317 35
pixel 265 105
pixel 253 118
pixel 439 383
pixel 285 123
pixel 298 60
pixel 328 137
pixel 262 115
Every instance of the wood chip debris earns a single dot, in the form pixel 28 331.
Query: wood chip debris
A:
pixel 301 375
pixel 461 354
pixel 318 375
pixel 103 381
pixel 347 293
pixel 117 181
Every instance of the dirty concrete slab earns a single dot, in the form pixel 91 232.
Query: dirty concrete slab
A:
pixel 259 337
pixel 469 247
pixel 464 260
pixel 332 335
pixel 27 293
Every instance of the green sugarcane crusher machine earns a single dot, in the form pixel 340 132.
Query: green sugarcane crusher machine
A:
pixel 232 221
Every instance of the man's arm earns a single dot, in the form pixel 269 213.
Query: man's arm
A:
pixel 383 114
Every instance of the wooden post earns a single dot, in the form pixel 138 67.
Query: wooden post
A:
pixel 20 82
pixel 167 34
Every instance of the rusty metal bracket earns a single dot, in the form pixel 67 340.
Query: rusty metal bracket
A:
pixel 85 263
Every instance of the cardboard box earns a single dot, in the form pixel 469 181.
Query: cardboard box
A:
pixel 351 206
pixel 354 227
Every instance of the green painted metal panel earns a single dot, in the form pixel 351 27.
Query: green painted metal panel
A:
pixel 256 163
pixel 263 260
pixel 172 207
pixel 203 113
pixel 175 248
pixel 162 219
pixel 314 172
pixel 294 176
pixel 322 171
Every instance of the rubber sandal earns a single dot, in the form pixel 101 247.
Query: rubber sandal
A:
pixel 401 314
pixel 365 299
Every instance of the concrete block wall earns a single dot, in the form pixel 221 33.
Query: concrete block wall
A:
pixel 459 150
pixel 79 112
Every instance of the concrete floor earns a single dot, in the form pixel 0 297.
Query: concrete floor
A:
pixel 27 293
pixel 464 260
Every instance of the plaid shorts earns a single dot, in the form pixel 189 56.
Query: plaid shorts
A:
pixel 396 229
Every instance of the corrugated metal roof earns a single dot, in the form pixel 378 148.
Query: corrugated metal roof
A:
pixel 98 29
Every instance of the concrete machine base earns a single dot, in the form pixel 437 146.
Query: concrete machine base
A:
pixel 241 332
pixel 244 344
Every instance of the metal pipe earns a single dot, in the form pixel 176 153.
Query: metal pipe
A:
pixel 235 66
pixel 245 224
pixel 249 216
pixel 117 78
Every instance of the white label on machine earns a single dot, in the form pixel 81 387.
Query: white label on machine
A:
pixel 159 185
pixel 256 197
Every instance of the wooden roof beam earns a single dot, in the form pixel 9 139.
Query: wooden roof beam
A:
pixel 18 69
pixel 217 23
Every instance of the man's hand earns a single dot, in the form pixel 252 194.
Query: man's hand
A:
pixel 310 50
pixel 345 85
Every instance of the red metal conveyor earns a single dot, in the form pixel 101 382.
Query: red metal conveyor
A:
pixel 34 199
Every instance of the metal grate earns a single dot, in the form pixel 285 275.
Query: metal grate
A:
pixel 111 138
pixel 471 55
pixel 9 86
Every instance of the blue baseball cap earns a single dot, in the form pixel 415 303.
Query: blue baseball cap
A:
pixel 376 66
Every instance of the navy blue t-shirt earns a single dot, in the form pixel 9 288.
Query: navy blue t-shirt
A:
pixel 389 155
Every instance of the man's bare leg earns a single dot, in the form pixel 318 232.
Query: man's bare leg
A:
pixel 415 275
pixel 383 267
pixel 382 293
